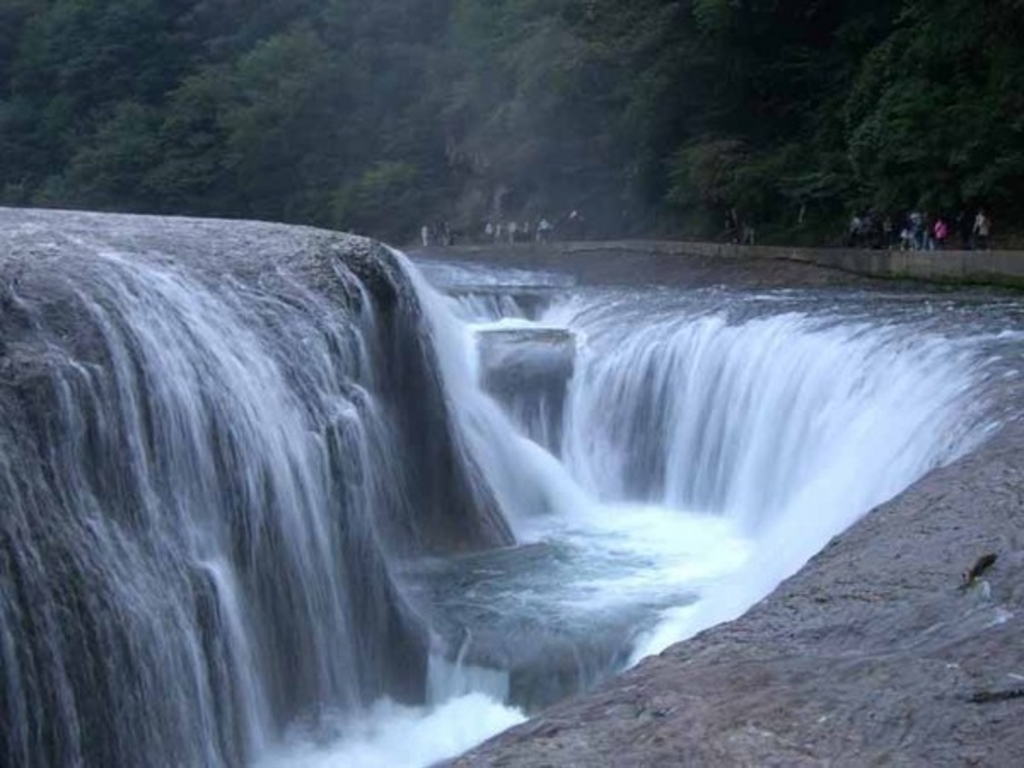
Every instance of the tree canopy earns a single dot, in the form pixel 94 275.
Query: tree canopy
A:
pixel 651 117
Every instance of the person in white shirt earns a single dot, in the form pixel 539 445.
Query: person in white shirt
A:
pixel 981 230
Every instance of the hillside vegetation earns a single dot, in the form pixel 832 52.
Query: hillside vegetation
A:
pixel 649 116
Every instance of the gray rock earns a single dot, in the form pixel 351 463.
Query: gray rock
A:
pixel 39 249
pixel 511 359
pixel 528 370
pixel 871 655
pixel 484 618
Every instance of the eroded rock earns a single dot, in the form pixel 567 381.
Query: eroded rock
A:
pixel 528 371
pixel 871 655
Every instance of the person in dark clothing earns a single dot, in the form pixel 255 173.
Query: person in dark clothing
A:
pixel 964 223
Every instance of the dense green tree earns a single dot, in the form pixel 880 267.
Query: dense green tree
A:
pixel 936 115
pixel 652 116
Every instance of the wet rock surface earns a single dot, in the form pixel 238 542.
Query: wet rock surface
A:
pixel 529 357
pixel 528 371
pixel 547 653
pixel 874 654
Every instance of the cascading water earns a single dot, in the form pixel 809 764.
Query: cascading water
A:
pixel 205 472
pixel 711 444
pixel 787 426
pixel 257 504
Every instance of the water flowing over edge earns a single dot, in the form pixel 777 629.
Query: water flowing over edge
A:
pixel 207 476
pixel 831 419
pixel 220 443
pixel 789 426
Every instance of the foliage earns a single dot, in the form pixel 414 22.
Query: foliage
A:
pixel 649 116
pixel 367 202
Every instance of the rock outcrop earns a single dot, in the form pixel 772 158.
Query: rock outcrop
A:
pixel 872 655
pixel 528 371
pixel 215 437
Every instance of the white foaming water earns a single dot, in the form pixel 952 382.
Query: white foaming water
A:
pixel 447 680
pixel 228 461
pixel 521 474
pixel 392 736
pixel 788 427
pixel 705 461
pixel 474 307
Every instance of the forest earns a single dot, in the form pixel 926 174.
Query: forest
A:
pixel 651 117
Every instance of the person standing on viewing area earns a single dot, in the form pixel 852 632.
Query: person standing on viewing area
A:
pixel 981 230
pixel 869 230
pixel 749 235
pixel 524 231
pixel 576 226
pixel 425 235
pixel 964 224
pixel 906 239
pixel 917 229
pixel 854 232
pixel 940 231
pixel 581 226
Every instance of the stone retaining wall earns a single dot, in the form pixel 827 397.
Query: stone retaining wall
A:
pixel 983 267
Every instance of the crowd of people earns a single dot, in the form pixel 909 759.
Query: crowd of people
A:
pixel 914 230
pixel 439 233
pixel 919 231
pixel 572 226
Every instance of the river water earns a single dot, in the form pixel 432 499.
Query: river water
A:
pixel 700 447
pixel 279 498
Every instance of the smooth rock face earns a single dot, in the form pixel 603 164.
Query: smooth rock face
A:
pixel 515 357
pixel 546 654
pixel 528 371
pixel 871 655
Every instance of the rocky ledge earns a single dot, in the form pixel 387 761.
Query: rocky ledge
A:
pixel 876 653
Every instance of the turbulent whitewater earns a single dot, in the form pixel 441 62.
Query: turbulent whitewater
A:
pixel 271 499
pixel 212 448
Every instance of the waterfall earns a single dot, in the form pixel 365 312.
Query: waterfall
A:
pixel 260 485
pixel 790 426
pixel 206 472
pixel 487 306
pixel 738 419
pixel 525 479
